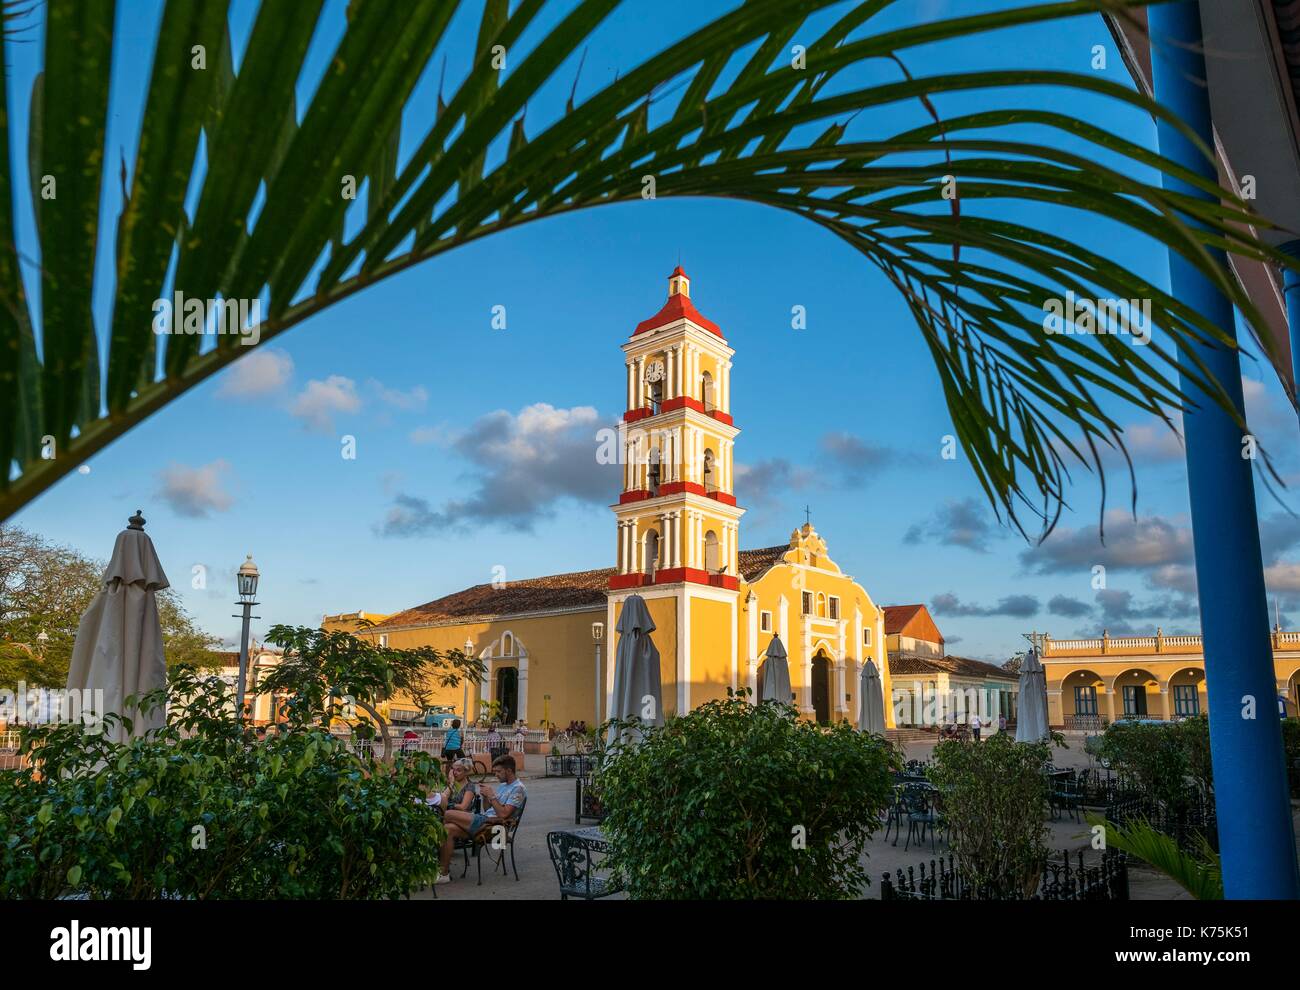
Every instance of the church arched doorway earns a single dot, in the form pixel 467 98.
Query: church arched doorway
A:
pixel 508 694
pixel 821 687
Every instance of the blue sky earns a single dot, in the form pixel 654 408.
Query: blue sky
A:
pixel 475 446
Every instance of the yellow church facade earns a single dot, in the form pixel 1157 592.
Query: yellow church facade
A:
pixel 548 642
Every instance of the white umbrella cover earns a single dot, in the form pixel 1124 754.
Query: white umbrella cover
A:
pixel 119 644
pixel 638 690
pixel 774 674
pixel 871 716
pixel 1031 715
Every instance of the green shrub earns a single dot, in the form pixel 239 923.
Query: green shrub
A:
pixel 994 804
pixel 201 809
pixel 736 801
pixel 1155 758
pixel 1291 742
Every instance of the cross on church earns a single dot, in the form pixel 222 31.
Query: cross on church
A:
pixel 807 515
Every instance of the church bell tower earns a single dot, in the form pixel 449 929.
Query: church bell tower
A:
pixel 677 515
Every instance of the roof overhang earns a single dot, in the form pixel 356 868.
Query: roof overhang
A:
pixel 1257 133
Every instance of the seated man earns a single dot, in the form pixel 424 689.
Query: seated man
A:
pixel 501 804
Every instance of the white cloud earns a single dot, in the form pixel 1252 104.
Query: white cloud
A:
pixel 409 401
pixel 317 404
pixel 195 492
pixel 523 466
pixel 261 372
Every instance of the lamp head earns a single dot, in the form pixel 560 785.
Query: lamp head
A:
pixel 246 579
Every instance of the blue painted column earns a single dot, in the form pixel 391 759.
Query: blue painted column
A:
pixel 1256 841
pixel 1291 292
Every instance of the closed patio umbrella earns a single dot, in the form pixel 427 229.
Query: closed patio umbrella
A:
pixel 1031 717
pixel 871 717
pixel 119 645
pixel 774 675
pixel 638 692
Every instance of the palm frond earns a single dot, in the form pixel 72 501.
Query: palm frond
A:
pixel 1026 406
pixel 1199 874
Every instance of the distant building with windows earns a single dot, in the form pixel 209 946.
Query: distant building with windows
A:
pixel 932 687
pixel 1093 682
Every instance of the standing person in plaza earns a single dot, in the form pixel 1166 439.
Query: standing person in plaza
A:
pixel 495 744
pixel 1002 723
pixel 452 745
pixel 975 726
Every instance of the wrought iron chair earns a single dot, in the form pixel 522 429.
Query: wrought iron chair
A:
pixel 488 836
pixel 920 809
pixel 575 868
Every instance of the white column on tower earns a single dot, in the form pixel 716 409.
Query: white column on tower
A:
pixel 677 538
pixel 725 403
pixel 639 384
pixel 634 540
pixel 630 379
pixel 668 373
pixel 622 548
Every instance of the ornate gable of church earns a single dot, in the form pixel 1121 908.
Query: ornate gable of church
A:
pixel 808 548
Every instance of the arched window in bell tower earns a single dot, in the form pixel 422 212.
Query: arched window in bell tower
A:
pixel 710 472
pixel 711 562
pixel 651 552
pixel 706 391
pixel 656 398
pixel 653 472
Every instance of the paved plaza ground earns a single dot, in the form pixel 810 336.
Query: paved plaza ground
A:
pixel 551 807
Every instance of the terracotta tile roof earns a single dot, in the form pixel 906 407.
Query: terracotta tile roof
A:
pixel 978 668
pixel 755 562
pixel 483 601
pixel 961 666
pixel 897 616
pixel 901 664
pixel 541 594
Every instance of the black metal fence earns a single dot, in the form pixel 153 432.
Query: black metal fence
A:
pixel 1106 879
pixel 1184 822
pixel 569 765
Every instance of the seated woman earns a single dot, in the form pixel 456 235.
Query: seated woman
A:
pixel 460 791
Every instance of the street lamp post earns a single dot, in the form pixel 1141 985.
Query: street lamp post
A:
pixel 464 705
pixel 597 634
pixel 246 580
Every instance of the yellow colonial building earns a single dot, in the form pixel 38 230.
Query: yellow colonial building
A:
pixel 547 641
pixel 1092 681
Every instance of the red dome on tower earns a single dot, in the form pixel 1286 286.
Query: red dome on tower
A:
pixel 678 307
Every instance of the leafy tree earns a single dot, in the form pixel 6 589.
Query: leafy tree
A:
pixel 201 809
pixel 44 588
pixel 995 802
pixel 1156 758
pixel 863 155
pixel 737 801
pixel 331 674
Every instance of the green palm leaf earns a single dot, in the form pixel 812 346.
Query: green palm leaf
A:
pixel 1027 407
pixel 1199 874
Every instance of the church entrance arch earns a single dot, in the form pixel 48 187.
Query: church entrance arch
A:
pixel 507 694
pixel 821 687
